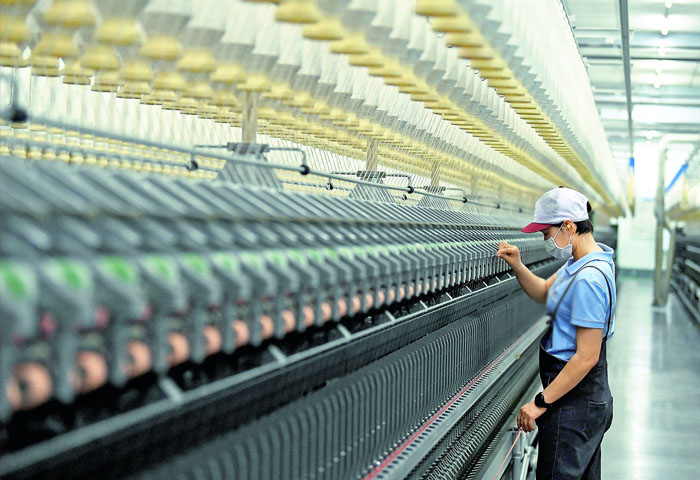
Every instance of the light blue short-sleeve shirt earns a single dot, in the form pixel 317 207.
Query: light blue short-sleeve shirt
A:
pixel 586 304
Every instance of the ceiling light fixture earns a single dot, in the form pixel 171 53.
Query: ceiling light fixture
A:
pixel 664 26
pixel 657 82
pixel 660 67
pixel 662 51
pixel 668 3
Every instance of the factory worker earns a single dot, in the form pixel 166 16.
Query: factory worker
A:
pixel 575 409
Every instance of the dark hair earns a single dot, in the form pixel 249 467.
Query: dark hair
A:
pixel 584 226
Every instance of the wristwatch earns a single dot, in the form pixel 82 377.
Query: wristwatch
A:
pixel 539 401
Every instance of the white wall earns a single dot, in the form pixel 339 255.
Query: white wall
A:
pixel 635 241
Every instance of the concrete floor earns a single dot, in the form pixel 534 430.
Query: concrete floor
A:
pixel 654 369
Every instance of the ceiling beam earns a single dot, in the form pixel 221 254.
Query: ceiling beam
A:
pixel 654 104
pixel 638 57
pixel 648 91
pixel 613 127
pixel 642 39
pixel 625 35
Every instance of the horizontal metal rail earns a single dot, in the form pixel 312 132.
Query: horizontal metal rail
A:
pixel 97 153
pixel 302 169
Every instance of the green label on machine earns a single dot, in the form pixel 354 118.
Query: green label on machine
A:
pixel 296 255
pixel 71 273
pixel 120 268
pixel 360 251
pixel 16 280
pixel 196 263
pixel 315 254
pixel 253 259
pixel 161 266
pixel 278 258
pixel 226 261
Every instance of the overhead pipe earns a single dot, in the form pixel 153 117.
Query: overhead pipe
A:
pixel 625 34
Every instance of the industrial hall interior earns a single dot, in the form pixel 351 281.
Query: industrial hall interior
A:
pixel 349 239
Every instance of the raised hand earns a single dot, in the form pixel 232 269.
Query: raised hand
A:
pixel 509 253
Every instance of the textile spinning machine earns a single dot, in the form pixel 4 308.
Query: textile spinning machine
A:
pixel 683 220
pixel 685 272
pixel 256 240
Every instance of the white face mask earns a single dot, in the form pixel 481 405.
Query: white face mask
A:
pixel 560 253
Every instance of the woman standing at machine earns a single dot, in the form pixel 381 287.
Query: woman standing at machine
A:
pixel 574 410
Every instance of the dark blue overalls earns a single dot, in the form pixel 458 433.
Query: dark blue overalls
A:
pixel 570 432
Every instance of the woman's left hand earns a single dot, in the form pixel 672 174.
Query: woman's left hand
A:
pixel 527 416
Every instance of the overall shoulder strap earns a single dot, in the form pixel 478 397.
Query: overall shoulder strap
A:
pixel 609 319
pixel 571 282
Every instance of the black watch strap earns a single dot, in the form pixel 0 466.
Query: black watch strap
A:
pixel 539 401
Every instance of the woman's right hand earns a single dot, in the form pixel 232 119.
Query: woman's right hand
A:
pixel 509 253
